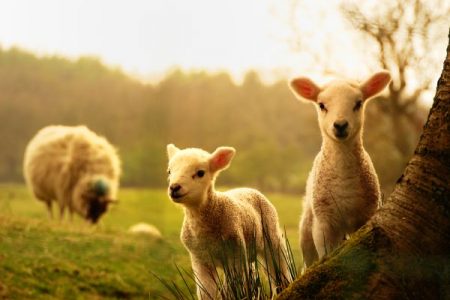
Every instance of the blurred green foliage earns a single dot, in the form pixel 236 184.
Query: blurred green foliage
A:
pixel 275 136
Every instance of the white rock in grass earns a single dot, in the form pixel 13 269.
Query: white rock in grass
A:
pixel 144 228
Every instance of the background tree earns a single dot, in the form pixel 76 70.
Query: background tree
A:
pixel 276 137
pixel 400 36
pixel 403 36
pixel 402 253
pixel 264 122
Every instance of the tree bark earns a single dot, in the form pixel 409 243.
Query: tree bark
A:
pixel 403 252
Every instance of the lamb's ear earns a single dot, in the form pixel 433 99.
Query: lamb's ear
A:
pixel 221 158
pixel 304 88
pixel 375 84
pixel 171 150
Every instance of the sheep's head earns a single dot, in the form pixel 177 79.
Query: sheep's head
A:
pixel 192 172
pixel 94 198
pixel 340 104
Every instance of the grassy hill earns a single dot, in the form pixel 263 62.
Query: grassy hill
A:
pixel 48 259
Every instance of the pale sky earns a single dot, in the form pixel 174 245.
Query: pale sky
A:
pixel 148 37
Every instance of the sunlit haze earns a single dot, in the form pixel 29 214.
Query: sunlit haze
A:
pixel 147 38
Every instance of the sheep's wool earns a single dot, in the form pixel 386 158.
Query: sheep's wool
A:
pixel 64 164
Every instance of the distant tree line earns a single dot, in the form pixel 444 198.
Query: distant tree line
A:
pixel 276 137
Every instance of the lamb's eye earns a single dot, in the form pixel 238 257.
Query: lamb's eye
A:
pixel 322 107
pixel 168 172
pixel 357 105
pixel 200 173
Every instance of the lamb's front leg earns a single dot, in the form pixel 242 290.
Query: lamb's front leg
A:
pixel 326 236
pixel 205 279
pixel 307 245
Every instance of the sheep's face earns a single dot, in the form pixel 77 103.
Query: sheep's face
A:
pixel 340 110
pixel 96 206
pixel 191 172
pixel 93 198
pixel 340 104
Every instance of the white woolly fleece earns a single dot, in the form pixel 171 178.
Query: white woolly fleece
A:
pixel 62 164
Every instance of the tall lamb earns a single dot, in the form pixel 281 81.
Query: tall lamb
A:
pixel 342 190
pixel 74 167
pixel 219 226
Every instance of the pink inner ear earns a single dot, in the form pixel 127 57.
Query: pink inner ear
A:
pixel 220 160
pixel 305 88
pixel 375 85
pixel 307 91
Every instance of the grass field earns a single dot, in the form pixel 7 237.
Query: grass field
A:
pixel 45 259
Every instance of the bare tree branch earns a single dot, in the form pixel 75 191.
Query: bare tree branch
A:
pixel 403 36
pixel 405 32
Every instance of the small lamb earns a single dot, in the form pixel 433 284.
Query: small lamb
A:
pixel 342 190
pixel 213 219
pixel 74 167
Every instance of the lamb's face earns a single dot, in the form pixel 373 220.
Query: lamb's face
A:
pixel 340 109
pixel 340 104
pixel 189 176
pixel 191 172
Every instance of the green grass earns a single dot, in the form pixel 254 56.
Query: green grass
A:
pixel 48 259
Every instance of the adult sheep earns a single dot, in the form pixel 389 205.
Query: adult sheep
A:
pixel 342 191
pixel 74 167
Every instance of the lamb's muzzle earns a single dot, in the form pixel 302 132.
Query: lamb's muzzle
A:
pixel 175 191
pixel 340 129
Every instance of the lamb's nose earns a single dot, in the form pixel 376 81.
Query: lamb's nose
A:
pixel 175 187
pixel 341 125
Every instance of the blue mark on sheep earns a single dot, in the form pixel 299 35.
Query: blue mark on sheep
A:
pixel 101 188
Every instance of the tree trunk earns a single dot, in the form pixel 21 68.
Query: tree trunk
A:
pixel 404 250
